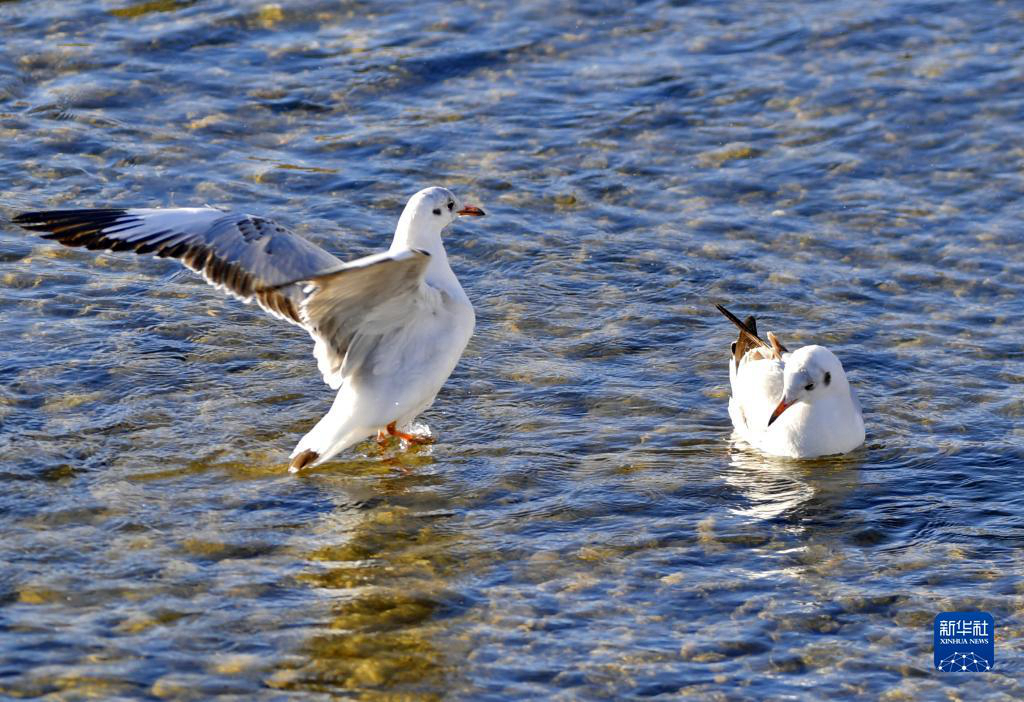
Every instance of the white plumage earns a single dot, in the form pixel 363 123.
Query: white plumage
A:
pixel 387 329
pixel 795 405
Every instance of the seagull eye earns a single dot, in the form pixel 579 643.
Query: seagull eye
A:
pixel 451 206
pixel 437 211
pixel 809 386
pixel 828 378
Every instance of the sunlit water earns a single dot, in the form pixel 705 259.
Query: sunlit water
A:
pixel 849 171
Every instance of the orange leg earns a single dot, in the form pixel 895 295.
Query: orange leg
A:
pixel 382 438
pixel 411 438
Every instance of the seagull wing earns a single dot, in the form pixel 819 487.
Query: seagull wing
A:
pixel 749 338
pixel 248 257
pixel 757 387
pixel 755 376
pixel 350 311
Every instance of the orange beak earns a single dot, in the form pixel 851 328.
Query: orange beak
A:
pixel 472 211
pixel 778 410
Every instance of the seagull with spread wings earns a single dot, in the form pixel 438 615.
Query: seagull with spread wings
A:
pixel 388 329
pixel 793 404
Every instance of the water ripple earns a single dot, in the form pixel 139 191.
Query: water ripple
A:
pixel 584 527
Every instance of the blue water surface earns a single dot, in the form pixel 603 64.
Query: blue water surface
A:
pixel 850 172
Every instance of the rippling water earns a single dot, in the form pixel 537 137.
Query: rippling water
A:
pixel 851 172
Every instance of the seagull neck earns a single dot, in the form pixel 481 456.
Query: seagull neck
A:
pixel 438 270
pixel 430 242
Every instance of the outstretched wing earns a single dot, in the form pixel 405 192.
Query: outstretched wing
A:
pixel 249 257
pixel 349 310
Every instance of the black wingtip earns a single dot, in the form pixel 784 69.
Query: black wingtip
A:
pixel 28 219
pixel 50 220
pixel 733 318
pixel 748 327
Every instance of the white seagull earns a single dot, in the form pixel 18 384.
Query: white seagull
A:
pixel 795 405
pixel 388 329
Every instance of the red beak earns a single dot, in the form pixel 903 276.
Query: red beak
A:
pixel 778 410
pixel 472 211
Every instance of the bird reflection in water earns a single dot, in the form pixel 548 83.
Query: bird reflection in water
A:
pixel 386 568
pixel 794 489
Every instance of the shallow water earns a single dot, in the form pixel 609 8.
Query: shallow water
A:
pixel 584 529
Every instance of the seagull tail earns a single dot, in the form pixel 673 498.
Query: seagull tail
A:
pixel 330 436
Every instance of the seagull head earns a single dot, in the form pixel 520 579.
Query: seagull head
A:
pixel 812 374
pixel 426 215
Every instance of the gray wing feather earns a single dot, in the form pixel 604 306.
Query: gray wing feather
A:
pixel 349 310
pixel 248 257
pixel 346 308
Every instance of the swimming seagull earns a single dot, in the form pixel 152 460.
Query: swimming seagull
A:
pixel 796 405
pixel 387 329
